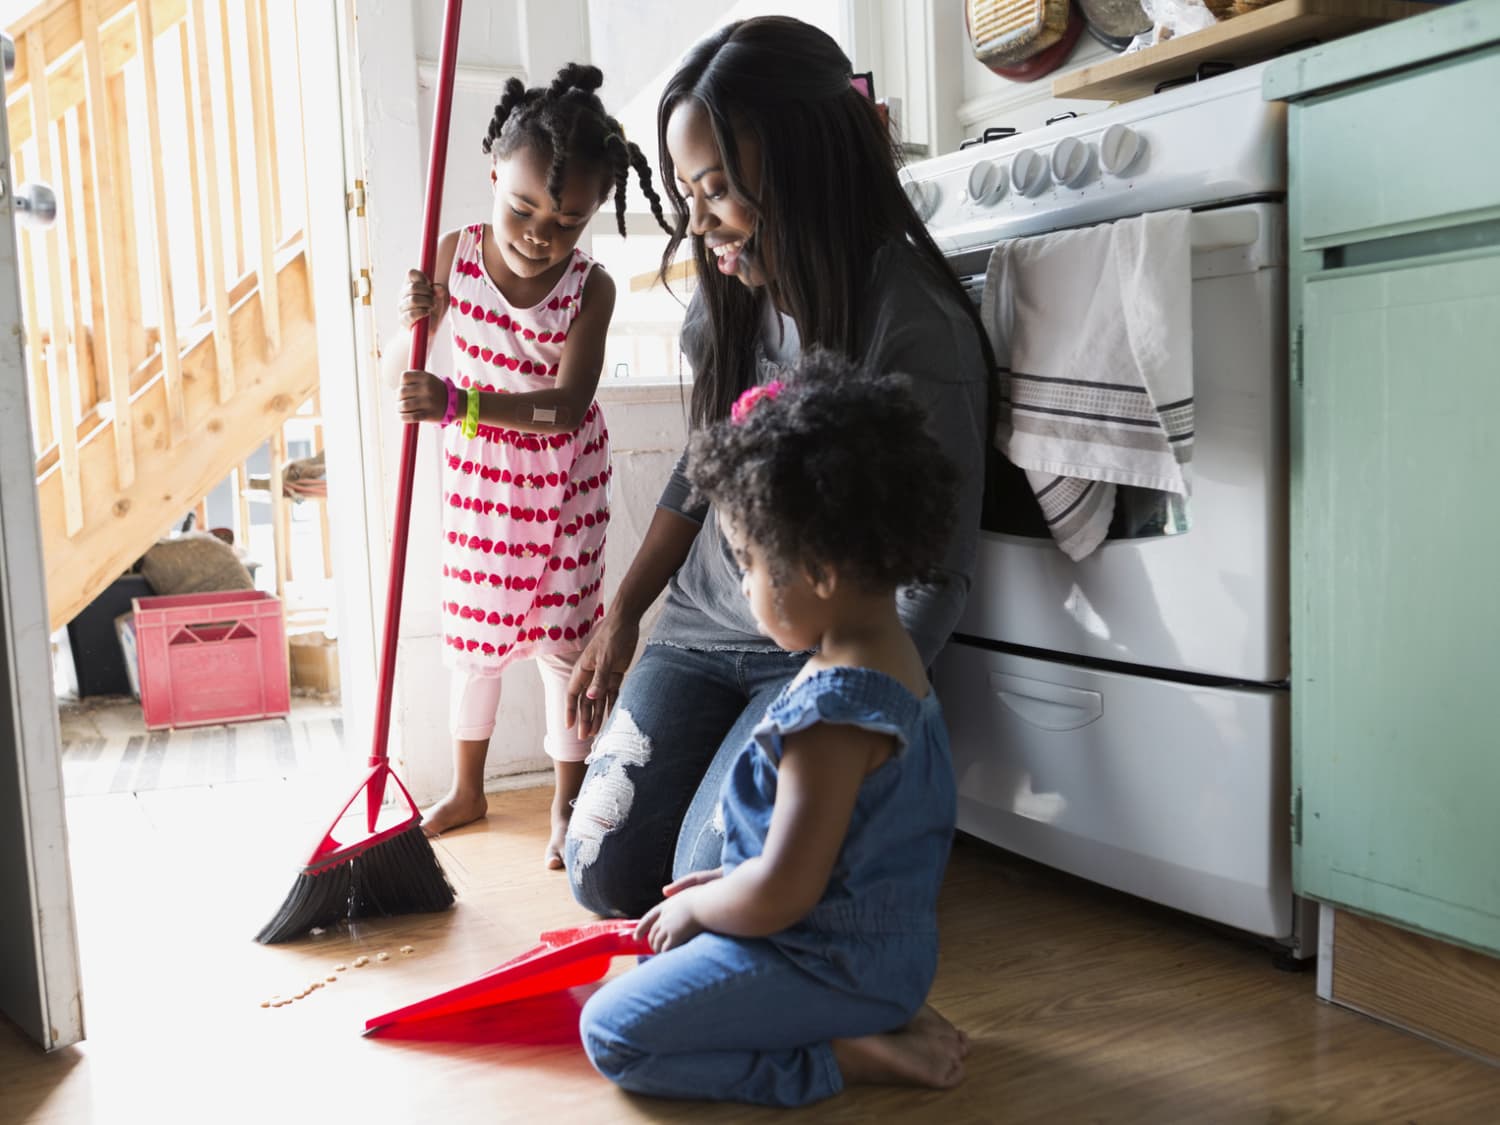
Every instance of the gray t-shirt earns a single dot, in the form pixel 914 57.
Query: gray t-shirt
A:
pixel 920 330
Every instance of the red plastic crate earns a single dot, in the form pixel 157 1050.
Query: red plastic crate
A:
pixel 211 658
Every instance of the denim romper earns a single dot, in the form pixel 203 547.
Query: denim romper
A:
pixel 751 1019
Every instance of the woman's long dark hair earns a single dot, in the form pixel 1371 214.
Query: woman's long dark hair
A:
pixel 829 195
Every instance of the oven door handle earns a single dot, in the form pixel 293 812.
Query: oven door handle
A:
pixel 1223 230
pixel 1047 705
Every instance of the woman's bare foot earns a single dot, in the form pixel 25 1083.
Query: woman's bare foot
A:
pixel 929 1051
pixel 454 811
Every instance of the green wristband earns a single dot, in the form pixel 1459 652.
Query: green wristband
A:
pixel 471 415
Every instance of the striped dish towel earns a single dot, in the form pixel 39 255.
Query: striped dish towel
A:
pixel 1093 334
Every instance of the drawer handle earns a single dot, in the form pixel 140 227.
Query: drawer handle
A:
pixel 1046 705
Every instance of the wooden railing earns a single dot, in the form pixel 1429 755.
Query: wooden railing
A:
pixel 156 306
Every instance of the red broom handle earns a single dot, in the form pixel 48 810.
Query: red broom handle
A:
pixel 441 111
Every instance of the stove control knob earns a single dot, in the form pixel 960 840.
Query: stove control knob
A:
pixel 987 183
pixel 1070 161
pixel 1028 172
pixel 924 198
pixel 1119 149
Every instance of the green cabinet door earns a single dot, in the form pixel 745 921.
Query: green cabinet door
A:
pixel 1396 572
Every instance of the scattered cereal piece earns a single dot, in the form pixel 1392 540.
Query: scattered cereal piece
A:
pixel 361 961
pixel 382 956
pixel 332 979
pixel 340 968
pixel 265 1003
pixel 408 949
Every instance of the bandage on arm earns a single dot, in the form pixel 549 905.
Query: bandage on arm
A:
pixel 544 414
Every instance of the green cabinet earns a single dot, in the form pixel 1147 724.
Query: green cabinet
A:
pixel 1394 220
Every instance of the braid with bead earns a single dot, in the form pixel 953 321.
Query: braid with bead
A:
pixel 568 121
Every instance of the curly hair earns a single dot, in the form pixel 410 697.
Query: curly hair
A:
pixel 567 121
pixel 836 471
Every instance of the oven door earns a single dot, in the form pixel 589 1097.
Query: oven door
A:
pixel 1200 588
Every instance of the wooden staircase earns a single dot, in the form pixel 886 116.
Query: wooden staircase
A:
pixel 168 312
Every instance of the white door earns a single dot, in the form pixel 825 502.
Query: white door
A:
pixel 39 979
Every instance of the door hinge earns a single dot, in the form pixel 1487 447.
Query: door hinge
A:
pixel 355 200
pixel 1297 356
pixel 361 287
pixel 1297 818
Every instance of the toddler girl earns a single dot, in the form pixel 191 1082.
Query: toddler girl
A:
pixel 803 964
pixel 526 453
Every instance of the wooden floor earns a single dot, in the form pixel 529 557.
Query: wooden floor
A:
pixel 1084 1005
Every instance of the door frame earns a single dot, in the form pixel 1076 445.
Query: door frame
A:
pixel 40 980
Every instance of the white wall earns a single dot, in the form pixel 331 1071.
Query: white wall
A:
pixel 991 100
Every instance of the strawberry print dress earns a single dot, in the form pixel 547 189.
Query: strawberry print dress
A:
pixel 524 514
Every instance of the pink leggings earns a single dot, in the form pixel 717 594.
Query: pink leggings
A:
pixel 476 698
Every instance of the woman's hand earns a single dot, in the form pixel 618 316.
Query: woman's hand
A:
pixel 421 298
pixel 671 922
pixel 423 397
pixel 599 671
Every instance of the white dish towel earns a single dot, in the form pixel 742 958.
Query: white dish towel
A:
pixel 1093 335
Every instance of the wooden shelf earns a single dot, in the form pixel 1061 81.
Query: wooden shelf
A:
pixel 1250 38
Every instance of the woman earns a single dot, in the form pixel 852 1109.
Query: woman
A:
pixel 785 180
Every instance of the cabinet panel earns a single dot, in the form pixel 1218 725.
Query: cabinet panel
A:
pixel 1373 161
pixel 1396 639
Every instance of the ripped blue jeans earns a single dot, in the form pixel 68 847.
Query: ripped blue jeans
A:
pixel 648 808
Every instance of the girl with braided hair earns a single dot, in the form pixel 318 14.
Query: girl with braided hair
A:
pixel 525 450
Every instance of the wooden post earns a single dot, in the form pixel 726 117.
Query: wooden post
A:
pixel 41 397
pixel 91 385
pixel 171 348
pixel 280 516
pixel 90 342
pixel 112 272
pixel 265 162
pixel 278 225
pixel 237 192
pixel 241 482
pixel 127 235
pixel 64 417
pixel 208 153
pixel 191 132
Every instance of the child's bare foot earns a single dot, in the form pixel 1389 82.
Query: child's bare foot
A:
pixel 569 779
pixel 929 1051
pixel 454 811
pixel 558 840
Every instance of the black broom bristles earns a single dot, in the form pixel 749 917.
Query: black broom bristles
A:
pixel 400 875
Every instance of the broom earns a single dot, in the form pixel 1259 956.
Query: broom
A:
pixel 394 870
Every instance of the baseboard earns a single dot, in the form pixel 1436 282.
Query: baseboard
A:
pixel 1429 987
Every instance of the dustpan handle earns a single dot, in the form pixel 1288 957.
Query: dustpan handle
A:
pixel 441 111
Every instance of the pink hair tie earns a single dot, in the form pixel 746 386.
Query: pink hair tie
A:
pixel 742 405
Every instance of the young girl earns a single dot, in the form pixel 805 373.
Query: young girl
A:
pixel 526 453
pixel 802 964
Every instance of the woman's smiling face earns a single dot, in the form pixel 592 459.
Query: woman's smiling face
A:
pixel 724 220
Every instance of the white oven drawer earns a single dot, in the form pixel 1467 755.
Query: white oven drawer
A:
pixel 1173 792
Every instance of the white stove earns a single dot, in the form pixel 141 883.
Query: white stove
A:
pixel 1125 718
pixel 1208 143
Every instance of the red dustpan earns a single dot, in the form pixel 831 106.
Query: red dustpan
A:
pixel 561 960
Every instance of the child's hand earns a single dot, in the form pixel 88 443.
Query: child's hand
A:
pixel 423 397
pixel 671 922
pixel 692 879
pixel 421 298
